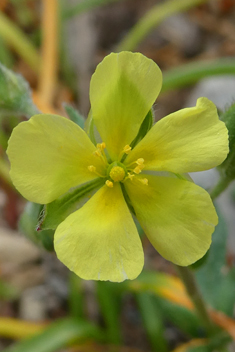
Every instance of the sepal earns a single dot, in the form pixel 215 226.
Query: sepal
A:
pixel 144 128
pixel 28 226
pixel 58 210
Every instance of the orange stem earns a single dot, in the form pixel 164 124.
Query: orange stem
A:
pixel 48 76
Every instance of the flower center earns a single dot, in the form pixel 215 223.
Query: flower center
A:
pixel 117 173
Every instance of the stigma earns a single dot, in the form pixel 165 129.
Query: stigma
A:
pixel 117 173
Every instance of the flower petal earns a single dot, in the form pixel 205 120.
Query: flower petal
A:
pixel 192 139
pixel 100 241
pixel 123 90
pixel 49 154
pixel 178 216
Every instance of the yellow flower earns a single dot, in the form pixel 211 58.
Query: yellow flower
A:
pixel 50 154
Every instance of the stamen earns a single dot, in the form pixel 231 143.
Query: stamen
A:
pixel 92 168
pixel 129 176
pixel 137 170
pixel 109 184
pixel 101 146
pixel 140 161
pixel 145 181
pixel 100 152
pixel 126 149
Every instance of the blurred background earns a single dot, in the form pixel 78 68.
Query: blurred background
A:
pixel 55 46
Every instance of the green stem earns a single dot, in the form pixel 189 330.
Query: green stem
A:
pixel 19 41
pixel 220 187
pixel 193 72
pixel 190 283
pixel 152 19
pixel 84 6
pixel 76 300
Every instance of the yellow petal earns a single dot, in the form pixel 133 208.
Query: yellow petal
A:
pixel 123 90
pixel 178 216
pixel 192 139
pixel 49 154
pixel 100 241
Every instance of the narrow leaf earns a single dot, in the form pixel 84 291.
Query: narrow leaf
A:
pixel 152 320
pixel 109 302
pixel 57 336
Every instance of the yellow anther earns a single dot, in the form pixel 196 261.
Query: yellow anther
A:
pixel 145 181
pixel 127 149
pixel 101 146
pixel 117 173
pixel 140 161
pixel 98 152
pixel 109 184
pixel 92 168
pixel 137 170
pixel 130 176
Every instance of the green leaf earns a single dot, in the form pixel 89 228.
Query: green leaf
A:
pixel 74 115
pixel 57 336
pixel 190 73
pixel 15 95
pixel 165 287
pixel 83 6
pixel 76 299
pixel 216 281
pixel 228 166
pixel 109 299
pixel 218 342
pixel 57 211
pixel 6 57
pixel 152 320
pixel 28 226
pixel 180 317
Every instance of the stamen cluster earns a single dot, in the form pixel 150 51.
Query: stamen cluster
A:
pixel 117 171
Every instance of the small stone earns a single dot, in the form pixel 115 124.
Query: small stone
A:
pixel 219 89
pixel 32 305
pixel 183 33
